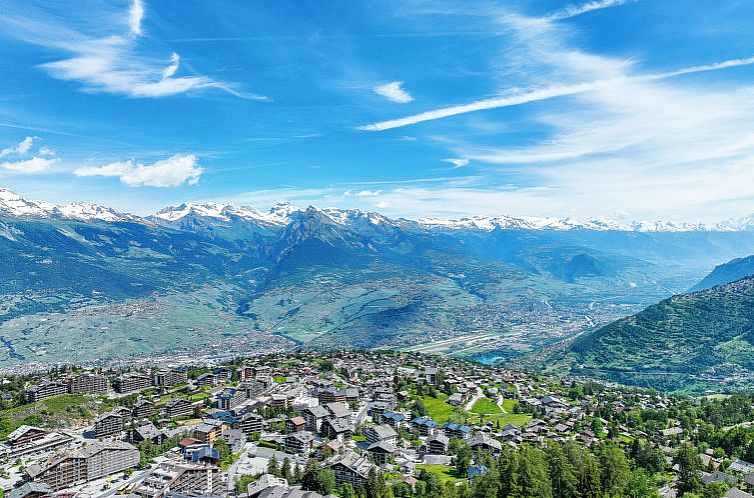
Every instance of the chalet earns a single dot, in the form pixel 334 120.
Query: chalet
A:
pixel 299 442
pixel 350 468
pixel 338 410
pixel 378 407
pixel 208 432
pixel 170 377
pixel 249 422
pixel 455 399
pixel 45 389
pixel 143 408
pixel 425 425
pixel 392 419
pixel 315 416
pixel 146 432
pixel 438 444
pixel 483 442
pixel 381 433
pixel 229 398
pixel 206 379
pixel 381 451
pixel 24 435
pixel 108 424
pixel 131 382
pixel 223 374
pixel 178 407
pixel 338 428
pixel 456 431
pixel 295 424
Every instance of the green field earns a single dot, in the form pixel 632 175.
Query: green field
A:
pixel 485 406
pixel 509 405
pixel 518 419
pixel 446 473
pixel 438 409
pixel 68 410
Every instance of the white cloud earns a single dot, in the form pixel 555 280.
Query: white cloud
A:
pixel 171 172
pixel 175 61
pixel 42 160
pixel 394 92
pixel 135 15
pixel 457 162
pixel 33 165
pixel 22 148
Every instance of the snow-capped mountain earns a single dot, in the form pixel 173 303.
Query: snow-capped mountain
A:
pixel 12 204
pixel 281 214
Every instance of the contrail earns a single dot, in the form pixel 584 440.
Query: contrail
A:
pixel 547 93
pixel 577 10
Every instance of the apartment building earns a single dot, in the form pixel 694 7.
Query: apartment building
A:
pixel 181 477
pixel 45 389
pixel 90 462
pixel 88 383
pixel 170 377
pixel 128 383
pixel 108 424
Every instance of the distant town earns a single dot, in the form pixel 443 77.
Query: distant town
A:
pixel 371 424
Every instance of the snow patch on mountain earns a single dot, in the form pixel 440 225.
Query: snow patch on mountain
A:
pixel 282 214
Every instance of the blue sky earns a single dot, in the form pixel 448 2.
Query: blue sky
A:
pixel 632 109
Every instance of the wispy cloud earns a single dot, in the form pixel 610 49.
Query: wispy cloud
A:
pixel 22 148
pixel 362 193
pixel 112 62
pixel 394 92
pixel 171 172
pixel 576 10
pixel 135 15
pixel 547 93
pixel 457 162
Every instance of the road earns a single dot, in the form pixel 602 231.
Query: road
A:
pixel 473 400
pixel 234 467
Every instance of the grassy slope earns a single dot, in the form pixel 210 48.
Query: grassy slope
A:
pixel 68 410
pixel 687 343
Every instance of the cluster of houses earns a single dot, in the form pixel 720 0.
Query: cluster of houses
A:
pixel 355 412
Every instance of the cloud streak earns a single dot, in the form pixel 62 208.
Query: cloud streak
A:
pixel 548 93
pixel 576 10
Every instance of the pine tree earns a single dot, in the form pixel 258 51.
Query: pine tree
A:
pixel 615 470
pixel 532 479
pixel 285 471
pixel 589 478
pixel 562 473
pixel 272 466
pixel 506 469
pixel 689 470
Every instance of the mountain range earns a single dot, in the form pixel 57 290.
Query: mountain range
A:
pixel 83 282
pixel 12 204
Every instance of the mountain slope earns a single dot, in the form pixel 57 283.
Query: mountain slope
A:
pixel 84 281
pixel 691 342
pixel 727 272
